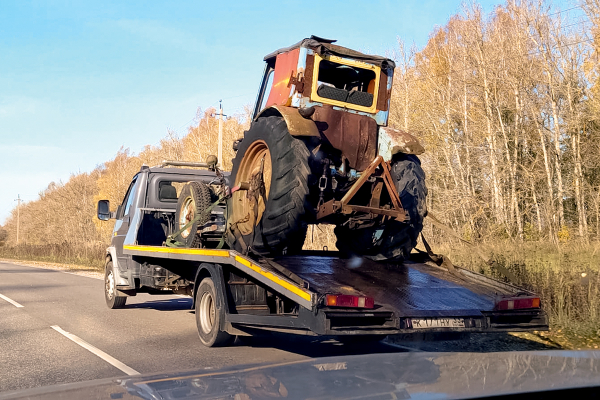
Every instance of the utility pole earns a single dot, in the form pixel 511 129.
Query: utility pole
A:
pixel 220 116
pixel 220 149
pixel 18 200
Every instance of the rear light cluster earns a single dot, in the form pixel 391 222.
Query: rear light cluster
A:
pixel 518 303
pixel 346 300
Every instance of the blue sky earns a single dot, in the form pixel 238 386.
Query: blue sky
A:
pixel 80 79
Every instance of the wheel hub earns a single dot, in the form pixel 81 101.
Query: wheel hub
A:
pixel 188 213
pixel 208 313
pixel 110 285
pixel 255 168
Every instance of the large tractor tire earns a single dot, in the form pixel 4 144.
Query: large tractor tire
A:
pixel 269 220
pixel 394 240
pixel 195 198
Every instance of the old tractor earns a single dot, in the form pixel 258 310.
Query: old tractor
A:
pixel 318 151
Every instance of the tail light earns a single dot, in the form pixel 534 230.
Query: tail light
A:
pixel 346 300
pixel 518 303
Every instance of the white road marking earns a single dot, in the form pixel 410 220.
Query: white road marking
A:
pixel 109 359
pixel 14 303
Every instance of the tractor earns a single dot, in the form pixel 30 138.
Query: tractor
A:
pixel 318 150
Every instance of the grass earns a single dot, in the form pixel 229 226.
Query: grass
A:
pixel 567 278
pixel 90 255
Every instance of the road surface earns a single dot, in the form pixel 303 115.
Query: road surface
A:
pixel 55 328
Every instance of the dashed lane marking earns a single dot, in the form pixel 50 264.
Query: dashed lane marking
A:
pixel 109 359
pixel 14 303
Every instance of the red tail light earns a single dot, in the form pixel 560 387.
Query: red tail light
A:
pixel 518 303
pixel 346 300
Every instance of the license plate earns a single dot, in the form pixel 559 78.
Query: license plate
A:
pixel 425 323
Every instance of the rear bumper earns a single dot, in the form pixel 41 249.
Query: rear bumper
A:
pixel 329 321
pixel 381 322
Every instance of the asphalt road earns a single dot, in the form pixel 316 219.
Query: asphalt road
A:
pixel 41 310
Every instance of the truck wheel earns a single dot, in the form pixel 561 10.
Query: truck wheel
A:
pixel 209 317
pixel 394 240
pixel 110 288
pixel 273 224
pixel 195 197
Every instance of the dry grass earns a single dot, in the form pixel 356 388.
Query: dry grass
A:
pixel 567 278
pixel 89 256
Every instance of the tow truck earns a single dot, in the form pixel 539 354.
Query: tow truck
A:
pixel 321 293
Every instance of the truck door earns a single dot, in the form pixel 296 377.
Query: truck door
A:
pixel 124 214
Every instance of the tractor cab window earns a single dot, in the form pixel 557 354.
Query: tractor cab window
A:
pixel 267 89
pixel 345 83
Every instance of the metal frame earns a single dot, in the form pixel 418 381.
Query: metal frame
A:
pixel 343 206
pixel 271 277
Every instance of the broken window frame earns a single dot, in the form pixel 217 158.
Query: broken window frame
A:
pixel 351 63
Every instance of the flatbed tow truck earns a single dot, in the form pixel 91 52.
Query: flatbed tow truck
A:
pixel 310 293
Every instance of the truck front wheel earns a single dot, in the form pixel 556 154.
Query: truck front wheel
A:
pixel 209 317
pixel 110 288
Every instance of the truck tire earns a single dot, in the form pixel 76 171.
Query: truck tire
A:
pixel 195 197
pixel 394 240
pixel 209 317
pixel 110 288
pixel 275 225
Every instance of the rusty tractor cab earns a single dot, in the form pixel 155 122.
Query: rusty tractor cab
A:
pixel 318 151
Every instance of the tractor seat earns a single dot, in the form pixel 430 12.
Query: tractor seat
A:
pixel 167 192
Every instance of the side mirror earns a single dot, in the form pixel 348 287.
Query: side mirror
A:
pixel 104 213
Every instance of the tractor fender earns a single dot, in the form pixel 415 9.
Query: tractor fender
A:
pixel 297 125
pixel 392 141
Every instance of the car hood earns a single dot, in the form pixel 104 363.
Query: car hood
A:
pixel 395 375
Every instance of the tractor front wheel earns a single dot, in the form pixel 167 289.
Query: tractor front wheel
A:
pixel 393 240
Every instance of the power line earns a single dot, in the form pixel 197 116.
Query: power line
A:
pixel 562 11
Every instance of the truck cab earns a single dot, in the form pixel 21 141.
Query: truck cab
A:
pixel 148 213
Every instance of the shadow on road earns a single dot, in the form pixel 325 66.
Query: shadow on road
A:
pixel 165 305
pixel 310 346
pixel 322 347
pixel 474 342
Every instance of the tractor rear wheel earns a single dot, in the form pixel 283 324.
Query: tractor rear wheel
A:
pixel 269 218
pixel 392 241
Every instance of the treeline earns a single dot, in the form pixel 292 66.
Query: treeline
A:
pixel 506 104
pixel 64 215
pixel 508 107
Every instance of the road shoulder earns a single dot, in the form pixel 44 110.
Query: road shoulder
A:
pixel 68 268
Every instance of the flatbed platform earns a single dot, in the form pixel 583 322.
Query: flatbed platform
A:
pixel 407 297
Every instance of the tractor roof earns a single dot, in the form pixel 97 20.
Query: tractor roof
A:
pixel 326 47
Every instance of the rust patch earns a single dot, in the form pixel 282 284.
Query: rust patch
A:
pixel 392 141
pixel 308 75
pixel 285 66
pixel 353 134
pixel 383 93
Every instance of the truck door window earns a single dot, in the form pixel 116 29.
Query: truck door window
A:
pixel 129 196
